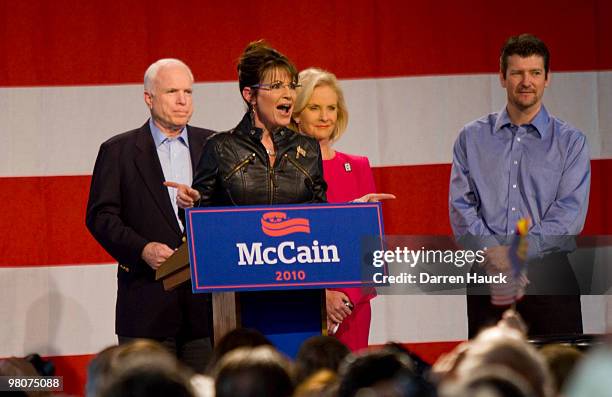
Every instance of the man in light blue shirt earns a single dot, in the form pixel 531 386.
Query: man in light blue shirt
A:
pixel 518 163
pixel 175 160
pixel 134 216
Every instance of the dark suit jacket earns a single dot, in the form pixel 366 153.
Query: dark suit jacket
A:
pixel 129 207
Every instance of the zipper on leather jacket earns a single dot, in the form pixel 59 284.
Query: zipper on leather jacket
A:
pixel 240 166
pixel 299 167
pixel 271 185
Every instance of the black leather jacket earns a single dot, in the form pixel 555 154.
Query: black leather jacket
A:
pixel 234 169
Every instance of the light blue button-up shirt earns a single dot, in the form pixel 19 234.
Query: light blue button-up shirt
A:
pixel 175 160
pixel 503 172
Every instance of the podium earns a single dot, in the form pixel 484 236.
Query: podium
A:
pixel 267 267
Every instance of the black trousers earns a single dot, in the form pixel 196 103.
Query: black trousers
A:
pixel 550 307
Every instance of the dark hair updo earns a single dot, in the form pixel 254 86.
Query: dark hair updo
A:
pixel 258 59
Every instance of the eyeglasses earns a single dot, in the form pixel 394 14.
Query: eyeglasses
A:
pixel 277 85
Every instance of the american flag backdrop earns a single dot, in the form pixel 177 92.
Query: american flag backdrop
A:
pixel 413 73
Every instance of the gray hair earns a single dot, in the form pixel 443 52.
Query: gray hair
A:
pixel 151 73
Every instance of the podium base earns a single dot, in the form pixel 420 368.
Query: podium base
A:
pixel 287 318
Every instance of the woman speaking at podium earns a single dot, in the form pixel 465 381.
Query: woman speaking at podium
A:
pixel 260 161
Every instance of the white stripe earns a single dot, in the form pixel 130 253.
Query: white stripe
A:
pixel 409 121
pixel 417 318
pixel 63 310
pixel 421 319
pixel 394 121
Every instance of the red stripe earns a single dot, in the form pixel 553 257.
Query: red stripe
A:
pixel 285 224
pixel 73 369
pixel 431 351
pixel 285 231
pixel 43 218
pixel 43 222
pixel 421 206
pixel 428 351
pixel 599 217
pixel 71 42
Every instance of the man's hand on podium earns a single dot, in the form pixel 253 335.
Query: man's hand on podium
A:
pixel 155 254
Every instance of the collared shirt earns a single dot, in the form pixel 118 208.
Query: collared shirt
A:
pixel 503 172
pixel 175 160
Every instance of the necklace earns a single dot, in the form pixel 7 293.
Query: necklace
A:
pixel 270 152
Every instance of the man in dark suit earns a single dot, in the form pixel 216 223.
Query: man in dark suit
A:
pixel 134 216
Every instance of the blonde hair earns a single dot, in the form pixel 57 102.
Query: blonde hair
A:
pixel 310 79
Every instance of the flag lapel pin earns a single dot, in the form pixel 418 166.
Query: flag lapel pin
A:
pixel 300 152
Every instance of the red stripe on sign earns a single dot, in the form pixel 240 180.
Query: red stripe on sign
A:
pixel 70 42
pixel 43 218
